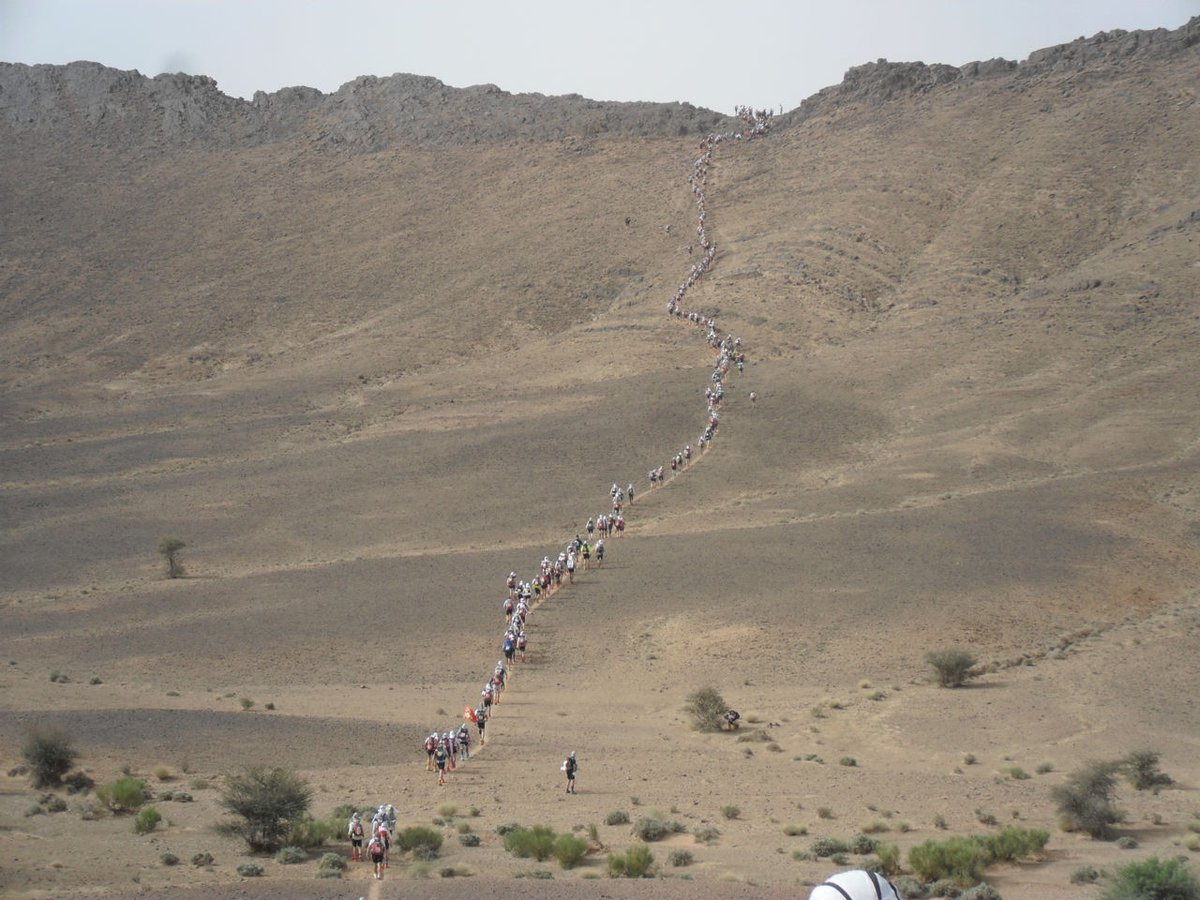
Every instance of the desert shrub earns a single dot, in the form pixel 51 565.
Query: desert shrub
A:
pixel 505 827
pixel 447 810
pixel 952 667
pixel 78 783
pixel 680 858
pixel 636 862
pixel 455 872
pixel 707 708
pixel 940 823
pixel 1127 843
pixel 824 812
pixel 249 870
pixel 536 842
pixel 889 858
pixel 617 817
pixel 49 754
pixel 311 833
pixel 1085 801
pixel 1044 768
pixel 422 842
pixel 1085 875
pixel 946 887
pixel 1013 843
pixel 655 827
pixel 463 827
pixel 1141 768
pixel 862 844
pixel 958 859
pixel 162 773
pixel 876 827
pixel 569 850
pixel 332 862
pixel 731 812
pixel 795 830
pixel 848 761
pixel 826 846
pixel 1016 773
pixel 705 834
pixel 245 703
pixel 269 802
pixel 1153 879
pixel 168 859
pixel 985 818
pixel 146 820
pixel 909 888
pixel 802 856
pixel 469 840
pixel 125 795
pixel 291 855
pixel 168 548
pixel 203 858
pixel 982 891
pixel 52 803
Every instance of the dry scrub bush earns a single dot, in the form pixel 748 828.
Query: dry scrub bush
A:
pixel 125 795
pixel 953 666
pixel 536 842
pixel 636 862
pixel 707 708
pixel 49 754
pixel 1141 768
pixel 1153 879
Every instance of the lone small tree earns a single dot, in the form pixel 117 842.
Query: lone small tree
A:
pixel 270 801
pixel 707 708
pixel 169 548
pixel 1085 802
pixel 49 754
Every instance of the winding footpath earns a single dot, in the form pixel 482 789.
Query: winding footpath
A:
pixel 556 570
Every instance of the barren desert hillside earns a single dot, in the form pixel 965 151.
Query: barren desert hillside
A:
pixel 367 352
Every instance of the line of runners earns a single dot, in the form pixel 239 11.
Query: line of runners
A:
pixel 446 749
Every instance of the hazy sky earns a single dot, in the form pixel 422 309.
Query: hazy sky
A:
pixel 714 54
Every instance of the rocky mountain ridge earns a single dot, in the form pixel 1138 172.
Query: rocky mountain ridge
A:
pixel 115 107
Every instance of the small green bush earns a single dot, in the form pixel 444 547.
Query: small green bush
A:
pixel 1153 879
pixel 826 846
pixel 311 833
pixel 1085 875
pixel 617 817
pixel 953 666
pixel 731 812
pixel 939 822
pixel 862 844
pixel 203 858
pixel 707 708
pixel 848 761
pixel 49 755
pixel 290 856
pixel 125 795
pixel 469 840
pixel 249 870
pixel 636 862
pixel 1127 843
pixel 536 842
pixel 422 842
pixel 824 812
pixel 795 830
pixel 1013 843
pixel 332 861
pixel 889 859
pixel 146 820
pixel 505 827
pixel 705 834
pixel 168 859
pixel 569 850
pixel 270 803
pixel 78 783
pixel 959 859
pixel 982 891
pixel 654 827
pixel 910 888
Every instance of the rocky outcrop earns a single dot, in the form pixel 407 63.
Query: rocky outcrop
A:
pixel 881 81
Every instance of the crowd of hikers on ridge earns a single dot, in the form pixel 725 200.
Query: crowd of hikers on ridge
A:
pixel 446 749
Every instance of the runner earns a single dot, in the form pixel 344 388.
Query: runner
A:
pixel 356 833
pixel 377 852
pixel 571 767
pixel 440 757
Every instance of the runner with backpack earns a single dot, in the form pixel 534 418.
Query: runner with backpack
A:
pixel 571 767
pixel 356 833
pixel 377 850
